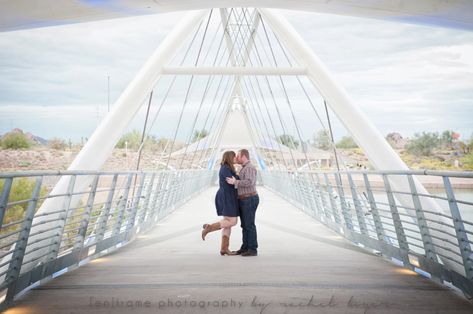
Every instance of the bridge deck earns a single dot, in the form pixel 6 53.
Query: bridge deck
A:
pixel 303 267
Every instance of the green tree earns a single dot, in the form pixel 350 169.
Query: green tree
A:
pixel 133 140
pixel 469 144
pixel 15 140
pixel 21 189
pixel 322 139
pixel 288 140
pixel 449 137
pixel 199 135
pixel 423 144
pixel 467 162
pixel 346 142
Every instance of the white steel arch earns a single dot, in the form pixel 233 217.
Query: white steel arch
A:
pixel 100 145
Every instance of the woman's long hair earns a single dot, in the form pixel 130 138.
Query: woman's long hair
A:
pixel 227 159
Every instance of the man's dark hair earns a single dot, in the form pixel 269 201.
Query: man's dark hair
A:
pixel 244 152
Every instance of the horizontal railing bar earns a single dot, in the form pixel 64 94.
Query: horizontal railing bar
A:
pixel 42 239
pixel 38 173
pixel 5 263
pixel 466 222
pixel 37 248
pixel 36 258
pixel 416 245
pixel 6 253
pixel 43 231
pixel 449 258
pixel 442 231
pixel 456 174
pixel 411 230
pixel 46 221
pixel 12 223
pixel 19 202
pixel 8 244
pixel 434 213
pixel 48 213
pixel 438 223
pixel 6 235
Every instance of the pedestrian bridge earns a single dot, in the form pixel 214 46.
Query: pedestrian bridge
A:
pixel 331 239
pixel 134 242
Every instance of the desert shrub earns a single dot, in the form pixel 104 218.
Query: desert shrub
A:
pixel 57 143
pixel 15 140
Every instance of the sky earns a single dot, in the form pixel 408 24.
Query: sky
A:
pixel 405 78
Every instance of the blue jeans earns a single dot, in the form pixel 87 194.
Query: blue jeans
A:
pixel 248 208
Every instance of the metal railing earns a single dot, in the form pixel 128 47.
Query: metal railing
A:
pixel 384 211
pixel 39 244
pixel 390 214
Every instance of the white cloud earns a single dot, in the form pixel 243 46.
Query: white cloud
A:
pixel 405 77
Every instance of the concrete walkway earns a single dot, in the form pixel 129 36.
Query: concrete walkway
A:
pixel 302 267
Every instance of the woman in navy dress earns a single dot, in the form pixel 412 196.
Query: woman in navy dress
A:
pixel 226 203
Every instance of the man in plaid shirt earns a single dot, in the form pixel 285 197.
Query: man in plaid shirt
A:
pixel 248 200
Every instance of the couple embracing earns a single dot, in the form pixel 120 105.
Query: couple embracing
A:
pixel 236 197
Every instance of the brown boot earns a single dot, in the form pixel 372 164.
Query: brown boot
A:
pixel 209 228
pixel 224 248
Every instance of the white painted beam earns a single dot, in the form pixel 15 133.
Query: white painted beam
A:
pixel 233 70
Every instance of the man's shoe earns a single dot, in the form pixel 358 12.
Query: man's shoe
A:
pixel 249 253
pixel 240 251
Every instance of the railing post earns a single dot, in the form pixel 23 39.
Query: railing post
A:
pixel 423 227
pixel 163 194
pixel 156 196
pixel 123 205
pixel 105 213
pixel 323 201
pixel 86 216
pixel 462 237
pixel 401 236
pixel 135 204
pixel 19 252
pixel 359 210
pixel 328 187
pixel 56 240
pixel 343 203
pixel 315 195
pixel 4 198
pixel 147 200
pixel 173 188
pixel 374 210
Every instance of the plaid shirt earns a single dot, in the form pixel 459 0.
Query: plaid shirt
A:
pixel 247 182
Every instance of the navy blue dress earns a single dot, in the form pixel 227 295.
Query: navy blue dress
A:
pixel 226 199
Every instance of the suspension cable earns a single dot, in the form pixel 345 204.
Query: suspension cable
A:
pixel 332 142
pixel 256 122
pixel 331 135
pixel 274 102
pixel 246 42
pixel 188 91
pixel 287 97
pixel 170 86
